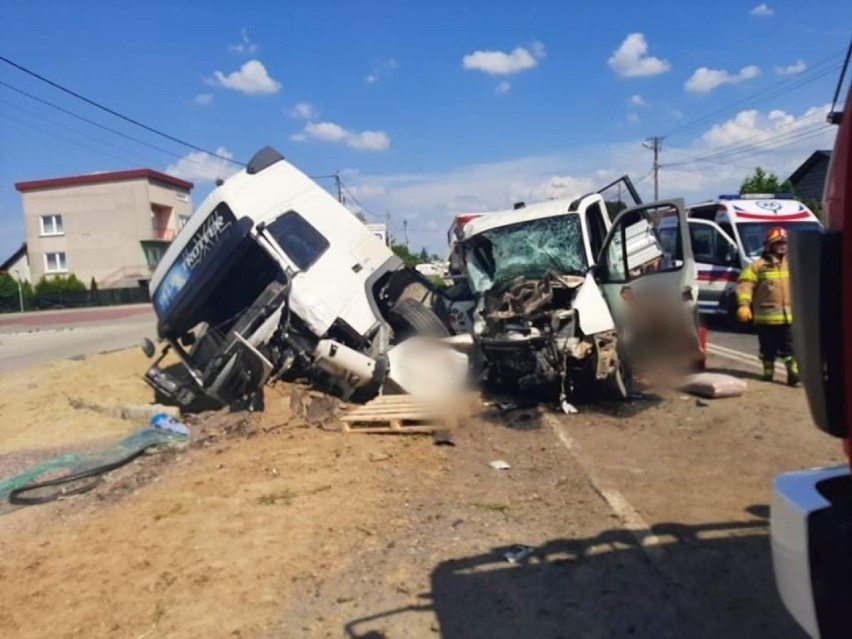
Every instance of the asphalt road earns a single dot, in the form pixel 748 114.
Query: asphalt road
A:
pixel 744 341
pixel 27 339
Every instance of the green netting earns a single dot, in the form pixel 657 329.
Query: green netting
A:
pixel 78 462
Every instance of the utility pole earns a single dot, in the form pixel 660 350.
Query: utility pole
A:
pixel 337 181
pixel 405 231
pixel 655 144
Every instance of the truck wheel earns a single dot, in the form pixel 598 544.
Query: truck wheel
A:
pixel 409 317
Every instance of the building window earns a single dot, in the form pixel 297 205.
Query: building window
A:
pixel 51 225
pixel 55 263
pixel 182 220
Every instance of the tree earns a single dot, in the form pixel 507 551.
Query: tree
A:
pixel 402 251
pixel 763 182
pixel 10 294
pixel 361 217
pixel 422 256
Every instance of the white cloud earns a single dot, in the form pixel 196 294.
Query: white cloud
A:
pixel 332 132
pixel 705 80
pixel 382 69
pixel 762 10
pixel 203 99
pixel 197 166
pixel 251 79
pixel 303 111
pixel 631 59
pixel 792 69
pixel 502 63
pixel 503 87
pixel 558 186
pixel 537 49
pixel 245 46
pixel 637 100
pixel 430 200
pixel 366 191
pixel 633 118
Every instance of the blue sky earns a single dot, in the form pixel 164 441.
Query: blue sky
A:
pixel 427 110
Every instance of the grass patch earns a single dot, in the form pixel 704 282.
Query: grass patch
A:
pixel 282 496
pixel 493 506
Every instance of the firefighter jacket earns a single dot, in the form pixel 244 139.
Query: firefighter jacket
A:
pixel 765 284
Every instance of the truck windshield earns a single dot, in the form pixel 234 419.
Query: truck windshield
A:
pixel 527 249
pixel 752 233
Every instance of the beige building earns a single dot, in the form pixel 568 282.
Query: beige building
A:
pixel 113 227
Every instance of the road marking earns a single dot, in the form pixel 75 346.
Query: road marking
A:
pixel 741 357
pixel 629 517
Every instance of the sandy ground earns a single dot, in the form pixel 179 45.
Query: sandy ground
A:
pixel 271 526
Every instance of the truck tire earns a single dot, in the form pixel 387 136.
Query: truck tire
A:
pixel 410 317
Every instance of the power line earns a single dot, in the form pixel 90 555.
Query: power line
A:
pixel 802 136
pixel 91 122
pixel 769 144
pixel 63 138
pixel 63 127
pixel 116 113
pixel 778 88
pixel 366 211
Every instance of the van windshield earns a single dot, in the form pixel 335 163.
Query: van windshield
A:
pixel 528 249
pixel 752 233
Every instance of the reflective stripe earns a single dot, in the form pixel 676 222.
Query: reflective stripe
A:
pixel 744 298
pixel 773 275
pixel 773 317
pixel 748 275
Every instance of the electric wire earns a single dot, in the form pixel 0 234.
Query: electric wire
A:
pixel 115 113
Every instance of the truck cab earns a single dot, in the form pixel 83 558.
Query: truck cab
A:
pixel 272 275
pixel 727 234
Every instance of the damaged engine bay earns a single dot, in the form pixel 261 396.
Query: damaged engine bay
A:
pixel 529 278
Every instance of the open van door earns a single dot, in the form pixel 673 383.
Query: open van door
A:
pixel 651 285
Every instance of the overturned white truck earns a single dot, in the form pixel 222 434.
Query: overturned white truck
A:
pixel 272 276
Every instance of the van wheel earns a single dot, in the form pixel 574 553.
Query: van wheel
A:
pixel 409 317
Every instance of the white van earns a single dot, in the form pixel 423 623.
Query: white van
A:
pixel 727 234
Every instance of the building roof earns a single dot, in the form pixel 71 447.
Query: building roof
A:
pixel 18 254
pixel 807 164
pixel 99 178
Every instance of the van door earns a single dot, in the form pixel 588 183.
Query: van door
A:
pixel 718 262
pixel 650 287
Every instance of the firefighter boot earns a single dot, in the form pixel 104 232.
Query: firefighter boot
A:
pixel 768 370
pixel 792 371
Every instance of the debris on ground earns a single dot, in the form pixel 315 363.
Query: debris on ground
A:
pixel 713 385
pixel 518 553
pixel 499 464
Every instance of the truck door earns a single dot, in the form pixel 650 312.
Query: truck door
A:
pixel 651 288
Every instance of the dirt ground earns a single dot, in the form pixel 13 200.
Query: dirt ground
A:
pixel 271 525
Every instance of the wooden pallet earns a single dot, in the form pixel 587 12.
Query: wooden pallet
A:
pixel 405 414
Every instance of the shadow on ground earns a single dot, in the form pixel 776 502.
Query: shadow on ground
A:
pixel 711 580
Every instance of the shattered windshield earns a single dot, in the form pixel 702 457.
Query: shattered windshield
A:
pixel 529 249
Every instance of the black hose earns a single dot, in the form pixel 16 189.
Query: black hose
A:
pixel 16 496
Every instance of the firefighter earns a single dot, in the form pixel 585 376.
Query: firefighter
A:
pixel 764 285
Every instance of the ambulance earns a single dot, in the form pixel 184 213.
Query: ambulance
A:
pixel 727 234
